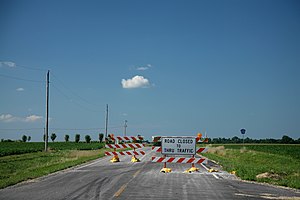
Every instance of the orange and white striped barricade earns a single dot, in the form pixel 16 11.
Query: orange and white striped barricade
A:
pixel 176 146
pixel 178 160
pixel 134 146
pixel 199 150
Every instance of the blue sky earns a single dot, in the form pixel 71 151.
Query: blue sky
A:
pixel 167 67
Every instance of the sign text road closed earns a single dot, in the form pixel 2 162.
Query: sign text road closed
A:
pixel 178 145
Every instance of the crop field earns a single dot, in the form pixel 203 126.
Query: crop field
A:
pixel 14 148
pixel 275 164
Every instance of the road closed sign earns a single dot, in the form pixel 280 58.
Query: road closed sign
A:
pixel 178 145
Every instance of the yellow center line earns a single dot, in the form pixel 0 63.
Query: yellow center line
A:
pixel 119 192
pixel 123 187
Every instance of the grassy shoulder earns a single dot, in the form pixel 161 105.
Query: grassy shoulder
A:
pixel 275 164
pixel 18 168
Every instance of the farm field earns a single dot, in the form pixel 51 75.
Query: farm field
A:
pixel 14 148
pixel 271 163
pixel 24 161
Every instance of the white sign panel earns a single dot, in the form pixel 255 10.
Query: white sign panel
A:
pixel 178 145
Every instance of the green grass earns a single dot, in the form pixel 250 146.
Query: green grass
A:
pixel 17 168
pixel 282 162
pixel 13 148
pixel 30 161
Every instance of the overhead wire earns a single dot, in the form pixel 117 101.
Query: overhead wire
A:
pixel 20 79
pixel 71 100
pixel 60 129
pixel 32 68
pixel 71 91
pixel 82 129
pixel 20 129
pixel 73 94
pixel 60 92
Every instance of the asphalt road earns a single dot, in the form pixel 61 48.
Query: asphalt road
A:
pixel 137 181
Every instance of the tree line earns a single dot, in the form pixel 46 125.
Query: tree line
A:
pixel 53 136
pixel 77 137
pixel 236 140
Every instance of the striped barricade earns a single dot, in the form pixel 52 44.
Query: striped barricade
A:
pixel 128 138
pixel 176 146
pixel 123 146
pixel 134 146
pixel 178 160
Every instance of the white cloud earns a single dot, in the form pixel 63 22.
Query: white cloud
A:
pixel 20 89
pixel 143 68
pixel 33 118
pixel 7 118
pixel 10 118
pixel 7 64
pixel 135 82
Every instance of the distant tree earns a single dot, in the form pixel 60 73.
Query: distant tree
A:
pixel 209 140
pixel 67 137
pixel 235 139
pixel 77 138
pixel 286 140
pixel 24 138
pixel 247 140
pixel 88 139
pixel 53 137
pixel 101 135
pixel 29 138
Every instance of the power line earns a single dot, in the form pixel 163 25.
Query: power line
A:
pixel 72 92
pixel 20 79
pixel 71 100
pixel 58 129
pixel 14 65
pixel 82 129
pixel 20 129
pixel 32 68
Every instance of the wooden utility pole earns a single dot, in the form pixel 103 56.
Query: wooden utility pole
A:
pixel 47 112
pixel 106 121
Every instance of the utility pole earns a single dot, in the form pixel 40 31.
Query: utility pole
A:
pixel 47 112
pixel 106 121
pixel 125 126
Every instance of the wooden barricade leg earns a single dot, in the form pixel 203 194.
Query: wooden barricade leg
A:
pixel 134 158
pixel 165 169
pixel 193 168
pixel 115 158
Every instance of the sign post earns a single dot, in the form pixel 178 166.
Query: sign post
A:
pixel 243 131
